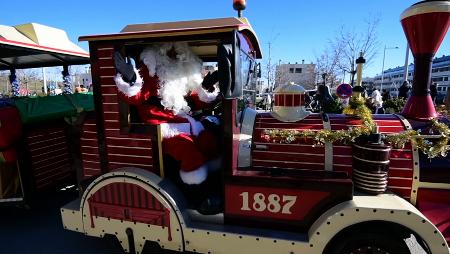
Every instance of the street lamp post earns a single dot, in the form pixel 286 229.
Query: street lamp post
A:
pixel 382 68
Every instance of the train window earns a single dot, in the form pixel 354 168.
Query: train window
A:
pixel 131 111
pixel 248 77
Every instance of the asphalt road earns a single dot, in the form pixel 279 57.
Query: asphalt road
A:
pixel 39 230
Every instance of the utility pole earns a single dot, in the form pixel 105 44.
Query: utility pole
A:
pixel 405 74
pixel 268 70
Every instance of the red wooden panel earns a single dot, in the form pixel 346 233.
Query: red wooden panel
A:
pixel 42 136
pixel 90 127
pixel 91 172
pixel 401 154
pixel 114 107
pixel 288 165
pixel 107 80
pixel 274 147
pixel 51 165
pixel 89 149
pixel 294 126
pixel 343 160
pixel 381 123
pixel 124 201
pixel 290 157
pixel 110 98
pixel 55 177
pixel 54 157
pixel 342 150
pixel 107 71
pixel 124 140
pixel 109 90
pixel 111 123
pixel 399 182
pixel 107 61
pixel 112 132
pixel 131 159
pixel 347 169
pixel 401 163
pixel 89 142
pixel 105 52
pixel 111 116
pixel 58 148
pixel 239 201
pixel 91 164
pixel 130 151
pixel 52 171
pixel 90 157
pixel 89 134
pixel 435 205
pixel 48 143
pixel 402 192
pixel 274 120
pixel 391 129
pixel 401 173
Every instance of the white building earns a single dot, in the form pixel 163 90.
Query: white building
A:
pixel 440 74
pixel 302 74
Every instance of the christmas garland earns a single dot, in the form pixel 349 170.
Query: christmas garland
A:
pixel 433 146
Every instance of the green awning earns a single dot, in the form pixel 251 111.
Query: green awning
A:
pixel 38 109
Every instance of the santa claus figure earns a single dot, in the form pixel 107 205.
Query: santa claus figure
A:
pixel 169 76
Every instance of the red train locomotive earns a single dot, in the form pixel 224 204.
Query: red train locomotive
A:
pixel 281 193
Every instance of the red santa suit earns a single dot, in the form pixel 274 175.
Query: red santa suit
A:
pixel 160 91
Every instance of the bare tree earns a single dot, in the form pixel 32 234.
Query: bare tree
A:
pixel 351 43
pixel 328 63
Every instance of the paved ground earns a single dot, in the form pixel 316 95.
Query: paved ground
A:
pixel 39 231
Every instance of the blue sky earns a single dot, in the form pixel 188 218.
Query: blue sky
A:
pixel 296 29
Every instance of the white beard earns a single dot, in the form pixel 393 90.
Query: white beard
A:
pixel 177 77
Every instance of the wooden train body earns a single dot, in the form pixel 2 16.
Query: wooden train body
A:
pixel 280 197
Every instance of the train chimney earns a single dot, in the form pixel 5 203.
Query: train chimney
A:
pixel 425 25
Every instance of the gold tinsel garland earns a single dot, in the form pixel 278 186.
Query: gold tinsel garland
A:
pixel 432 147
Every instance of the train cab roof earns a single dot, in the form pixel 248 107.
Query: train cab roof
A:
pixel 34 45
pixel 204 33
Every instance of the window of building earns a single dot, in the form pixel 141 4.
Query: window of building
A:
pixel 291 70
pixel 444 88
pixel 446 78
pixel 434 70
pixel 298 70
pixel 439 89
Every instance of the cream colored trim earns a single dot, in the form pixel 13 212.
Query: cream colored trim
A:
pixel 416 169
pixel 428 185
pixel 246 138
pixel 416 174
pixel 426 7
pixel 382 207
pixel 160 153
pixel 328 148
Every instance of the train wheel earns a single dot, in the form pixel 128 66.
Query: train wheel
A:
pixel 369 243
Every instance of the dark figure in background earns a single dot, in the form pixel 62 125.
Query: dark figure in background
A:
pixel 386 95
pixel 324 98
pixel 433 92
pixel 403 91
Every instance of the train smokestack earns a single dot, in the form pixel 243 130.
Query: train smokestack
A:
pixel 425 25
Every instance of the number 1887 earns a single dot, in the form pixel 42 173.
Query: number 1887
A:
pixel 273 203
